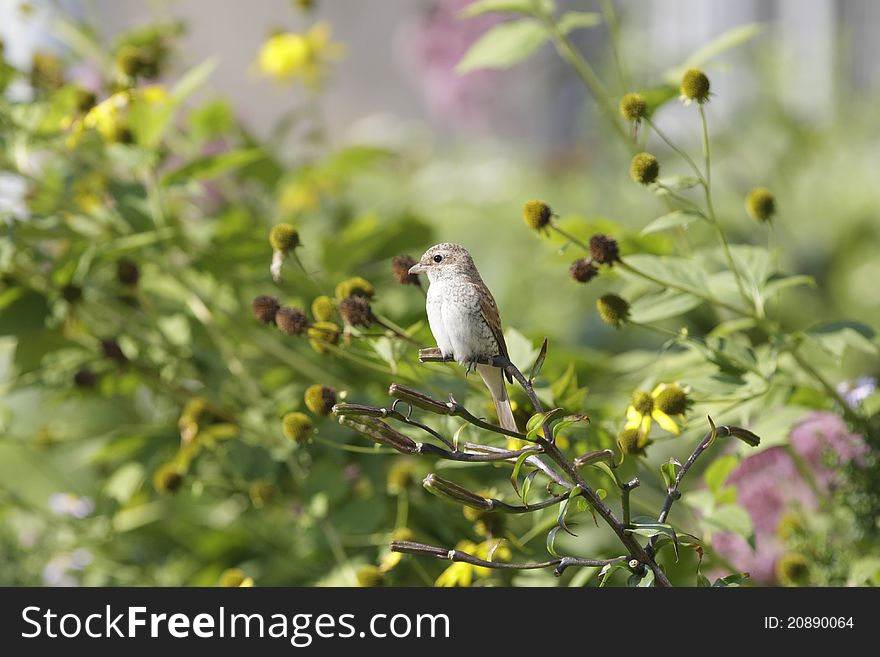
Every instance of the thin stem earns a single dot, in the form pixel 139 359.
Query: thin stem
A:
pixel 829 389
pixel 681 152
pixel 614 30
pixel 580 65
pixel 571 238
pixel 534 461
pixel 707 188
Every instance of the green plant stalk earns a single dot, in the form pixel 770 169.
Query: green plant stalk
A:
pixel 614 30
pixel 580 65
pixel 681 152
pixel 707 188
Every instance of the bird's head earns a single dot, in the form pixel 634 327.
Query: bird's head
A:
pixel 444 260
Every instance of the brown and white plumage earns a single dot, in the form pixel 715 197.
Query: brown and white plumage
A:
pixel 464 318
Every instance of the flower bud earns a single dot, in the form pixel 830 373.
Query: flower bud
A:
pixel 400 266
pixel 168 478
pixel 355 287
pixel 633 107
pixel 291 321
pixel 410 547
pixel 283 237
pixel 323 308
pixel 419 399
pixel 613 310
pixel 356 311
pixel 672 400
pixel 644 168
pixel 297 427
pixel 760 204
pixel 320 399
pixel 381 433
pixel 746 436
pixel 452 491
pixel 537 215
pixel 264 308
pixel 694 86
pixel 604 249
pixel 321 335
pixel 583 270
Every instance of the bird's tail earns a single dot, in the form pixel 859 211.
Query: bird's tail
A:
pixel 494 380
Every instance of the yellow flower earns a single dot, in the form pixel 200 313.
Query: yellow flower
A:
pixel 289 56
pixel 643 410
pixel 462 574
pixel 235 578
pixel 110 117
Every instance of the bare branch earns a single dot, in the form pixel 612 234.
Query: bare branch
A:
pixel 560 564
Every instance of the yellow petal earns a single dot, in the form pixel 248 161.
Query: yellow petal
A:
pixel 666 422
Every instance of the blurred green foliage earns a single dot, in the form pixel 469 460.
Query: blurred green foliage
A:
pixel 141 402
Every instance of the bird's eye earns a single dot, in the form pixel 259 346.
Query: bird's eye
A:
pixel 438 258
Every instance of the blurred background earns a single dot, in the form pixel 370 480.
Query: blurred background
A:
pixel 389 151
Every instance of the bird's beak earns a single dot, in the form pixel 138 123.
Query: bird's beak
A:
pixel 418 269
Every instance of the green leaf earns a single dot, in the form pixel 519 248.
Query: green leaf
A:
pixel 538 420
pixel 567 421
pixel 682 271
pixel 575 20
pixel 717 472
pixel 504 45
pixel 604 467
pixel 651 529
pixel 678 218
pixel 193 79
pixel 730 39
pixel 668 471
pixel 551 540
pixel 731 580
pixel 836 337
pixel 663 305
pixel 776 285
pixel 516 468
pixel 563 510
pixel 481 7
pixel 211 166
pixel 539 361
pixel 527 486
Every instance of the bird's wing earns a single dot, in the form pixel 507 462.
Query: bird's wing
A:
pixel 489 310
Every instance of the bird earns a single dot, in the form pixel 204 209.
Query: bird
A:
pixel 464 319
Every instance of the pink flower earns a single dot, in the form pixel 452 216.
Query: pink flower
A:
pixel 769 484
pixel 433 45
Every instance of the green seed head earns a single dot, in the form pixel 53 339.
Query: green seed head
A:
pixel 355 287
pixel 297 427
pixel 369 577
pixel 793 569
pixel 643 402
pixel 323 308
pixel 672 400
pixel 537 214
pixel 322 334
pixel 283 237
pixel 320 399
pixel 613 309
pixel 761 204
pixel 168 478
pixel 631 441
pixel 644 168
pixel 695 86
pixel 633 107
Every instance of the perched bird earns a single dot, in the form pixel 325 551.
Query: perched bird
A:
pixel 464 318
